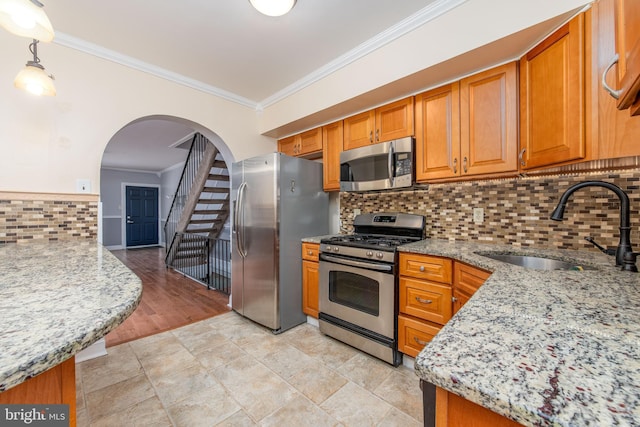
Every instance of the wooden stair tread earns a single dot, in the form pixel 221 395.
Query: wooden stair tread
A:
pixel 218 177
pixel 215 190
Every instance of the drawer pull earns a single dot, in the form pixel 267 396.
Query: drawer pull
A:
pixel 420 342
pixel 309 252
pixel 422 268
pixel 423 301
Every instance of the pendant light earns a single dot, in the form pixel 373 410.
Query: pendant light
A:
pixel 26 18
pixel 32 78
pixel 273 7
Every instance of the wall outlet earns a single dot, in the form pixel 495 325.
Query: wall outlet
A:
pixel 478 215
pixel 83 185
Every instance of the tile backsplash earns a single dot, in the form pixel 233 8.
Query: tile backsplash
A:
pixel 26 217
pixel 516 210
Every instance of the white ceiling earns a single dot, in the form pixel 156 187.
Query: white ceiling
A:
pixel 224 44
pixel 227 48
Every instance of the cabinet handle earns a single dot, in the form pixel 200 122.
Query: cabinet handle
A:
pixel 423 301
pixel 422 268
pixel 420 342
pixel 455 165
pixel 309 252
pixel 370 136
pixel 614 93
pixel 464 164
pixel 377 135
pixel 521 157
pixel 454 299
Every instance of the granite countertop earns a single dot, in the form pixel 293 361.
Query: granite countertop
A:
pixel 316 239
pixel 556 348
pixel 57 299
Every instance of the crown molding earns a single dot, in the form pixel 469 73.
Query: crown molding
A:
pixel 423 16
pixel 427 14
pixel 110 55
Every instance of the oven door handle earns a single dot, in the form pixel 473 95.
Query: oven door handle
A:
pixel 354 263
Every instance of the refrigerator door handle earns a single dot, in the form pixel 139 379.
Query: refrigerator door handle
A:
pixel 238 225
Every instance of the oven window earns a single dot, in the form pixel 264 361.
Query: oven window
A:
pixel 355 291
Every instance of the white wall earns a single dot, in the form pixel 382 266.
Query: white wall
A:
pixel 49 143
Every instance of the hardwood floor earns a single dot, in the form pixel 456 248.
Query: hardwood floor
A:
pixel 169 300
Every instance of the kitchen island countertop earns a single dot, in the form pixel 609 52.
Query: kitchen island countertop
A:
pixel 557 348
pixel 57 299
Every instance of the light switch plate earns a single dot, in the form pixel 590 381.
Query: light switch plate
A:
pixel 478 215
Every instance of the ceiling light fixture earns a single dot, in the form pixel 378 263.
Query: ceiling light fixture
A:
pixel 273 7
pixel 32 78
pixel 26 18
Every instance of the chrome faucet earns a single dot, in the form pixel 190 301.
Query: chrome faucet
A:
pixel 625 257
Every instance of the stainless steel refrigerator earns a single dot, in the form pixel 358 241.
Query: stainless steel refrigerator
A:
pixel 276 201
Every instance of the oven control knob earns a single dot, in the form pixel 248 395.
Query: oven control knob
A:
pixel 379 255
pixel 369 253
pixel 336 249
pixel 328 248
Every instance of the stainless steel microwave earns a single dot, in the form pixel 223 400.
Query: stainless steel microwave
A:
pixel 381 166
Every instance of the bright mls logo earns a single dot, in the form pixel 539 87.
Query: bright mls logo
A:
pixel 34 415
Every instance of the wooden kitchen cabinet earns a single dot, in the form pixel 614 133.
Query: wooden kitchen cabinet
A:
pixel 332 136
pixel 552 104
pixel 54 386
pixel 466 281
pixel 306 144
pixel 616 130
pixel 424 300
pixel 469 128
pixel 310 282
pixel 391 121
pixel 627 27
pixel 431 290
pixel 455 411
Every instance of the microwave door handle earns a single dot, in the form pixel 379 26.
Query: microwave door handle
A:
pixel 390 164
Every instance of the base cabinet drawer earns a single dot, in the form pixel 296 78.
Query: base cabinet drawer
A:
pixel 413 335
pixel 425 300
pixel 426 267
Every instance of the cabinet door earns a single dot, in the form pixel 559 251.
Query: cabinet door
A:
pixel 394 120
pixel 438 133
pixel 615 128
pixel 358 130
pixel 489 121
pixel 310 277
pixel 628 47
pixel 466 281
pixel 332 136
pixel 310 251
pixel 552 115
pixel 310 142
pixel 288 145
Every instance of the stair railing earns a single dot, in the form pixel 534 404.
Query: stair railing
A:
pixel 189 172
pixel 211 266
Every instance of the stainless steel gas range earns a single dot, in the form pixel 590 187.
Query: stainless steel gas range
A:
pixel 358 282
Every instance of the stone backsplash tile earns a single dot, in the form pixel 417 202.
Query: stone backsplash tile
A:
pixel 24 221
pixel 516 210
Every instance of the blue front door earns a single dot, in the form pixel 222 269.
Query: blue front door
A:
pixel 142 216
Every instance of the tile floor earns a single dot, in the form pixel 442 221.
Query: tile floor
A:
pixel 228 371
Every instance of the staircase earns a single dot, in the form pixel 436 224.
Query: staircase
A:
pixel 196 221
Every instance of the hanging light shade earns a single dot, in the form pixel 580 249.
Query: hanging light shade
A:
pixel 26 18
pixel 32 78
pixel 273 7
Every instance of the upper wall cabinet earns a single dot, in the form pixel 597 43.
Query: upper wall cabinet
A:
pixel 385 123
pixel 615 130
pixel 332 135
pixel 306 144
pixel 552 106
pixel 468 128
pixel 627 27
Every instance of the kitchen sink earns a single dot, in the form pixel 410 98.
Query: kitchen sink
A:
pixel 538 263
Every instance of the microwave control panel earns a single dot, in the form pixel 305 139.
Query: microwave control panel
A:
pixel 403 164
